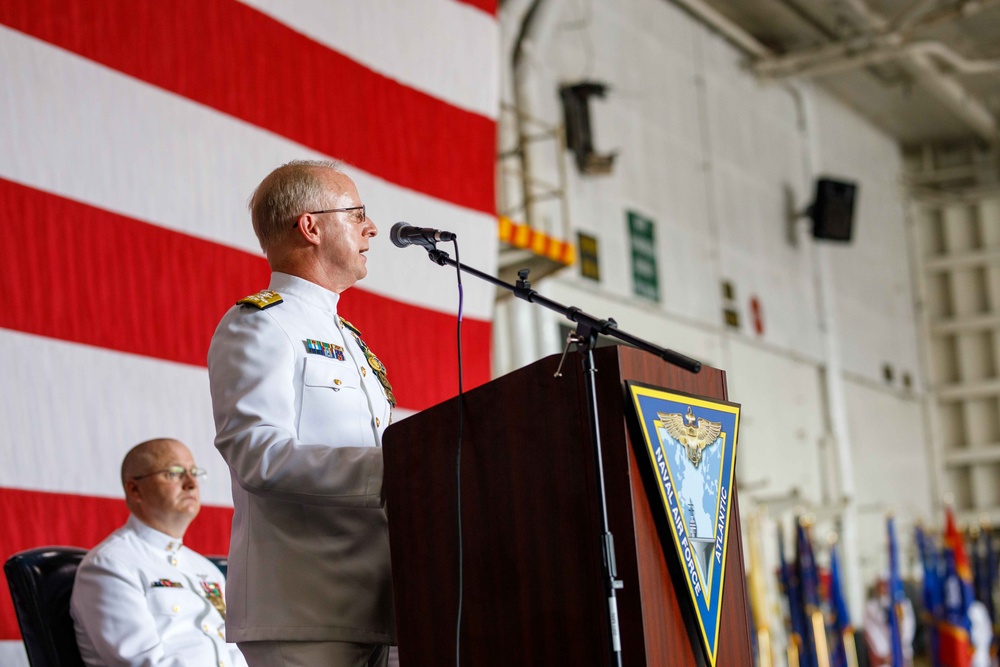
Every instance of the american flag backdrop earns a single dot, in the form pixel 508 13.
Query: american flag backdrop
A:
pixel 131 134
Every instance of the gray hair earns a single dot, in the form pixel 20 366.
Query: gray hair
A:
pixel 287 192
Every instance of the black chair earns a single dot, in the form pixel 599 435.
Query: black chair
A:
pixel 221 562
pixel 41 581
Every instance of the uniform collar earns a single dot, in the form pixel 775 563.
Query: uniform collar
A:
pixel 154 538
pixel 283 284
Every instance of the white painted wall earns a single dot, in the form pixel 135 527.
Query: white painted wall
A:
pixel 718 160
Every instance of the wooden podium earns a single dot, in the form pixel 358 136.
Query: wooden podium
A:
pixel 532 583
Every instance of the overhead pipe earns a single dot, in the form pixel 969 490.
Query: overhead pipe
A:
pixel 891 43
pixel 732 31
pixel 851 55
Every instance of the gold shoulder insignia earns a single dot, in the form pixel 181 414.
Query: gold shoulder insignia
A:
pixel 262 299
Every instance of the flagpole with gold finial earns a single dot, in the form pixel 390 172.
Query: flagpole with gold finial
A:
pixel 758 591
pixel 792 653
pixel 819 637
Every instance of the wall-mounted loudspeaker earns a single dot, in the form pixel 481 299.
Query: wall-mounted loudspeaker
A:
pixel 832 210
pixel 579 135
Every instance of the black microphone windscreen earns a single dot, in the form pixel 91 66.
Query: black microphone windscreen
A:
pixel 395 235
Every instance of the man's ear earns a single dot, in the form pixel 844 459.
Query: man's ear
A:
pixel 308 228
pixel 132 491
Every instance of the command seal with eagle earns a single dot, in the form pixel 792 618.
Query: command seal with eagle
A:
pixel 693 433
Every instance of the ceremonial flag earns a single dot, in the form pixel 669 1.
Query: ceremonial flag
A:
pixel 985 569
pixel 930 562
pixel 756 582
pixel 896 597
pixel 954 642
pixel 844 650
pixel 131 134
pixel 796 619
pixel 815 649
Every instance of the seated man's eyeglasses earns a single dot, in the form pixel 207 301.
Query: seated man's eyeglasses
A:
pixel 358 217
pixel 175 473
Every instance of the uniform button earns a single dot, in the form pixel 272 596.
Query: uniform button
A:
pixel 337 382
pixel 377 422
pixel 222 663
pixel 176 609
pixel 364 372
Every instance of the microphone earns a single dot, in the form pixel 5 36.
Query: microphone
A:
pixel 403 234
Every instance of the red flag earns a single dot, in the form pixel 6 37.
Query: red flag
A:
pixel 955 646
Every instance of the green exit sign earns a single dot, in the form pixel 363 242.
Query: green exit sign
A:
pixel 645 282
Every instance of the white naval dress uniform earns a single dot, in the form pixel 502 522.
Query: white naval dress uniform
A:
pixel 301 432
pixel 142 598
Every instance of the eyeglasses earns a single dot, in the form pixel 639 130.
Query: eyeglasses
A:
pixel 175 473
pixel 357 217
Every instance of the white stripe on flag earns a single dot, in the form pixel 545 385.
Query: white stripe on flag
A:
pixel 70 412
pixel 12 654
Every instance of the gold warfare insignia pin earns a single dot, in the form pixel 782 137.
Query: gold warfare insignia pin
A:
pixel 262 299
pixel 213 593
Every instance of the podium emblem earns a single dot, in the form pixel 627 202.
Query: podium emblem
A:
pixel 690 446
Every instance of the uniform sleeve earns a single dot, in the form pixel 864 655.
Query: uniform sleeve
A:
pixel 112 618
pixel 251 366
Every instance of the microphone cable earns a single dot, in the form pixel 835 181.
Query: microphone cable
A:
pixel 458 457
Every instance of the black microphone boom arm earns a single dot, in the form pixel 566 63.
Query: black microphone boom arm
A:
pixel 588 326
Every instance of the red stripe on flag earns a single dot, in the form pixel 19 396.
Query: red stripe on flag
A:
pixel 233 58
pixel 33 519
pixel 83 274
pixel 488 6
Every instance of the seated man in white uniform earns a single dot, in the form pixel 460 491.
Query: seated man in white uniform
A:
pixel 141 597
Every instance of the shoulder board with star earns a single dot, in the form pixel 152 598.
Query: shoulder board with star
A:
pixel 261 300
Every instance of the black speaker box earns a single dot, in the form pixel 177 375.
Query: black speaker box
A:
pixel 832 210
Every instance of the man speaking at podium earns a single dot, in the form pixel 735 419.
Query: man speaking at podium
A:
pixel 300 405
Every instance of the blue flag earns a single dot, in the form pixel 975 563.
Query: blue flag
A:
pixel 805 566
pixel 984 570
pixel 896 598
pixel 840 618
pixel 789 586
pixel 930 561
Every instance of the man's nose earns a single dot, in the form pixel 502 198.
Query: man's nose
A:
pixel 370 228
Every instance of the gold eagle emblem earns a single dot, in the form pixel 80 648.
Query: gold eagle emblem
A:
pixel 693 433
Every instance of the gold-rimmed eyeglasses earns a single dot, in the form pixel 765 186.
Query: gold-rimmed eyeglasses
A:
pixel 175 473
